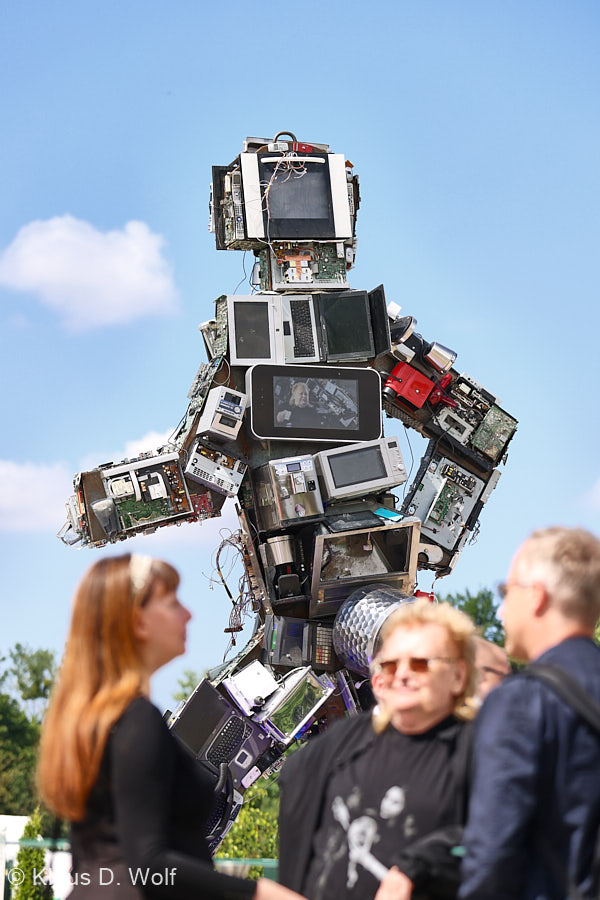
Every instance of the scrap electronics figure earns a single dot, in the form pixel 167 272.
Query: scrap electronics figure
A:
pixel 286 416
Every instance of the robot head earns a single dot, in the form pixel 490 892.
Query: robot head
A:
pixel 294 204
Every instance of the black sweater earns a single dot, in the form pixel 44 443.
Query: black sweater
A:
pixel 145 819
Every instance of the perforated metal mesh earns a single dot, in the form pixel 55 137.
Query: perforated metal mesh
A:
pixel 359 622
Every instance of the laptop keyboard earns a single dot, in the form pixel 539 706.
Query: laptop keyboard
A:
pixel 304 344
pixel 224 746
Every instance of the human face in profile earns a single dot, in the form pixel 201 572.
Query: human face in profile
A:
pixel 161 626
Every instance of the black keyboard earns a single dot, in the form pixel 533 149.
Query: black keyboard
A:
pixel 228 741
pixel 304 344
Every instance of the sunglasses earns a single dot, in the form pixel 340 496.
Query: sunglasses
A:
pixel 417 664
pixel 503 587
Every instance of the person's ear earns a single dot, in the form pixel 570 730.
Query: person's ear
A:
pixel 540 599
pixel 377 685
pixel 460 677
pixel 139 624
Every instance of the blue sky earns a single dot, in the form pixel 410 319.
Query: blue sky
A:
pixel 474 128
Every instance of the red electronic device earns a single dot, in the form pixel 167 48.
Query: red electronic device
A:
pixel 408 385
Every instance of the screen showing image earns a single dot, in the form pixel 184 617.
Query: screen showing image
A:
pixel 314 403
pixel 252 340
pixel 300 704
pixel 357 467
pixel 321 403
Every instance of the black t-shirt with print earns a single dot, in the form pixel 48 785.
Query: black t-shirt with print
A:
pixel 400 789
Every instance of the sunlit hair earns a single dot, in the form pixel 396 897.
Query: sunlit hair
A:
pixel 101 672
pixel 461 630
pixel 297 387
pixel 567 562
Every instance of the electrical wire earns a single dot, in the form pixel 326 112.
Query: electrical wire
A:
pixel 245 275
pixel 412 460
pixel 242 603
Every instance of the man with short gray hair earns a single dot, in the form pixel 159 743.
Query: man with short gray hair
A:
pixel 535 802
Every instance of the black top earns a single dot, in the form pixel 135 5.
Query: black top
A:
pixel 400 788
pixel 350 758
pixel 143 830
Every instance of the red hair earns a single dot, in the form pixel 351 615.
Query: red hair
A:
pixel 100 674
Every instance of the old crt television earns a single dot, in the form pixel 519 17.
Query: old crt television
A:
pixel 300 198
pixel 342 561
pixel 360 469
pixel 314 403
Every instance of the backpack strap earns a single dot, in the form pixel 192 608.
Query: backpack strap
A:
pixel 570 690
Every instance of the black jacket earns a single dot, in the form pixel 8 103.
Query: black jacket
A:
pixel 535 806
pixel 428 861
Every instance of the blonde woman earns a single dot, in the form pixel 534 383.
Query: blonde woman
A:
pixel 137 801
pixel 382 798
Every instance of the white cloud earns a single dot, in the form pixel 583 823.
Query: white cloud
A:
pixel 32 497
pixel 88 277
pixel 150 441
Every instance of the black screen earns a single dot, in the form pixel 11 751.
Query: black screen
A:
pixel 204 711
pixel 346 325
pixel 357 466
pixel 297 199
pixel 293 196
pixel 252 339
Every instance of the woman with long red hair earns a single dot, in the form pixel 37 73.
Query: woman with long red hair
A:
pixel 136 800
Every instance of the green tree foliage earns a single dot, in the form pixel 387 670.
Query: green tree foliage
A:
pixel 254 834
pixel 483 609
pixel 29 678
pixel 19 738
pixel 187 683
pixel 25 683
pixel 30 860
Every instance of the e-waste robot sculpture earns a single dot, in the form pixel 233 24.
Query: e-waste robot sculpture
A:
pixel 286 416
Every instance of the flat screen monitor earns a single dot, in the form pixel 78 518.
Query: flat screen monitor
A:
pixel 252 328
pixel 199 720
pixel 299 697
pixel 314 403
pixel 346 330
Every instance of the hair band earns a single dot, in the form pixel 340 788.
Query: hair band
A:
pixel 139 571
